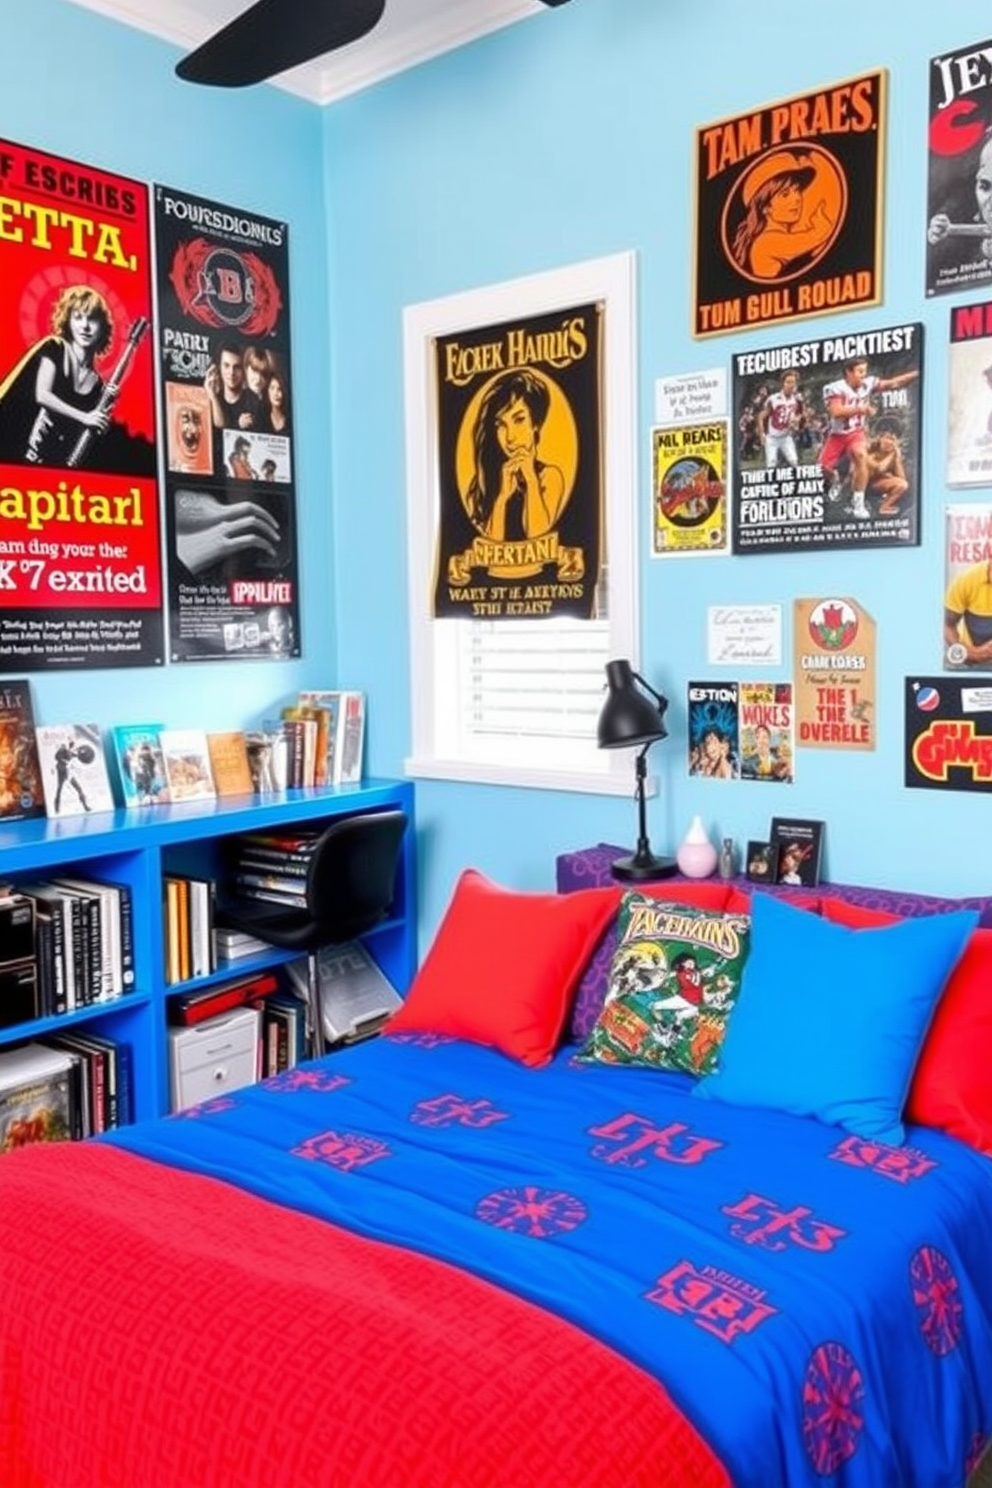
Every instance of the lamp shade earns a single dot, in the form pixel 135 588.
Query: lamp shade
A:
pixel 633 713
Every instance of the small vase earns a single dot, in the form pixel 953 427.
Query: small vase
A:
pixel 696 855
pixel 728 858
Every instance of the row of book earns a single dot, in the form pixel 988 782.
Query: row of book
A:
pixel 188 928
pixel 63 1088
pixel 65 769
pixel 65 943
pixel 272 867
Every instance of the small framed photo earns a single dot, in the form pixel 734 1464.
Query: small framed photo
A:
pixel 761 862
pixel 799 845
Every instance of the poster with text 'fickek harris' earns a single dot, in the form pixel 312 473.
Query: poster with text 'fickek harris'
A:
pixel 80 577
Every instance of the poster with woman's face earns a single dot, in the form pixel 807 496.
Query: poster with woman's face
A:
pixel 788 209
pixel 519 408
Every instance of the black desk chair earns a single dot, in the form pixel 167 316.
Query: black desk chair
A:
pixel 350 884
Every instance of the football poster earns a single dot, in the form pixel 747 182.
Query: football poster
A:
pixel 230 505
pixel 689 489
pixel 959 171
pixel 828 437
pixel 80 569
pixel 948 731
pixel 788 208
pixel 519 440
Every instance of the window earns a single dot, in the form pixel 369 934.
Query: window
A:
pixel 515 701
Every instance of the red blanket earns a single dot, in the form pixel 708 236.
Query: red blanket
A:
pixel 163 1330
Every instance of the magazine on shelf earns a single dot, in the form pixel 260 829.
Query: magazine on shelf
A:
pixel 35 1096
pixel 140 763
pixel 21 792
pixel 799 845
pixel 74 774
pixel 229 763
pixel 187 764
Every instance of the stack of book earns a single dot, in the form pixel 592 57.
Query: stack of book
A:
pixel 63 1087
pixel 272 866
pixel 84 941
pixel 325 734
pixel 188 907
pixel 100 1080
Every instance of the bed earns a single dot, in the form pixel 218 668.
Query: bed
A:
pixel 470 1253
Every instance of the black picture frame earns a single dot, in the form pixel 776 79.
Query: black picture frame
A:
pixel 799 845
pixel 761 862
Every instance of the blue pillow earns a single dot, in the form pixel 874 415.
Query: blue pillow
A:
pixel 830 1021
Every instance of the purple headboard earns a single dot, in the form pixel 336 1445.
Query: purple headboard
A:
pixel 589 868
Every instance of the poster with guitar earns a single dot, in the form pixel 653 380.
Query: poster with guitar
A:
pixel 80 564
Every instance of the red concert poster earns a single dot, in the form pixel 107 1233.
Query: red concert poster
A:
pixel 80 568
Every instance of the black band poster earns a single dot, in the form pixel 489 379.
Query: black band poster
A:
pixel 959 171
pixel 80 569
pixel 223 347
pixel 519 409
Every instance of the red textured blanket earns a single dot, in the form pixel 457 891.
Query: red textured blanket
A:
pixel 163 1330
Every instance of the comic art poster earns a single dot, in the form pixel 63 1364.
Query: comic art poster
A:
pixel 789 208
pixel 948 724
pixel 223 348
pixel 689 489
pixel 519 408
pixel 834 671
pixel 828 451
pixel 80 569
pixel 765 729
pixel 713 742
pixel 967 620
pixel 969 396
pixel 959 170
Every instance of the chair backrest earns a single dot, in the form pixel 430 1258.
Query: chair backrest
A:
pixel 350 884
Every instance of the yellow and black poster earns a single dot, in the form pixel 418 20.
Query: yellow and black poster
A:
pixel 789 209
pixel 519 410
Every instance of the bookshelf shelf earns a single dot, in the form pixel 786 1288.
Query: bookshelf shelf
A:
pixel 137 848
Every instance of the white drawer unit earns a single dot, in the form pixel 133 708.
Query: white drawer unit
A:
pixel 213 1058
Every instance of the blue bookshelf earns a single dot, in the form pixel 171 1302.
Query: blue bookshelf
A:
pixel 137 847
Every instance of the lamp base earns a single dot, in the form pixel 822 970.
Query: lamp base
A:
pixel 642 866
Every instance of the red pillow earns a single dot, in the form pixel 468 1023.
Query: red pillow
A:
pixel 951 1088
pixel 503 965
pixel 739 901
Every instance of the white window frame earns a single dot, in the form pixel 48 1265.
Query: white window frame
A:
pixel 610 281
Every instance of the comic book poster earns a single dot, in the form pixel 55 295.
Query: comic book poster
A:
pixel 959 170
pixel 788 213
pixel 765 727
pixel 80 567
pixel 689 490
pixel 828 450
pixel 969 396
pixel 834 671
pixel 519 438
pixel 713 743
pixel 948 733
pixel 967 616
pixel 223 349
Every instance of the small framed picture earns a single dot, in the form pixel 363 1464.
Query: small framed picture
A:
pixel 799 845
pixel 760 863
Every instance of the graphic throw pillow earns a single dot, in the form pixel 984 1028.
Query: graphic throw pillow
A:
pixel 673 982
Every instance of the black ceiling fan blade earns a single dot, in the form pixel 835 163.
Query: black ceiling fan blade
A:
pixel 272 35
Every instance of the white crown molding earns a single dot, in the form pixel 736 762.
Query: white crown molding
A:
pixel 410 33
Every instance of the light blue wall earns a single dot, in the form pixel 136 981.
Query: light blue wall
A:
pixel 568 136
pixel 564 137
pixel 96 91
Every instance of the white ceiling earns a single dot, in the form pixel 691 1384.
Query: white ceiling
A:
pixel 410 32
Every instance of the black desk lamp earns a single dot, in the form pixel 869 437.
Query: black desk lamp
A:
pixel 633 715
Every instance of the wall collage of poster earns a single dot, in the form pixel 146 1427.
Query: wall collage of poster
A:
pixel 97 467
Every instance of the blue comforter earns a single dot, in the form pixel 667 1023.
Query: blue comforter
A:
pixel 819 1306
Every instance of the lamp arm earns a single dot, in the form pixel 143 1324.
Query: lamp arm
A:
pixel 660 702
pixel 643 853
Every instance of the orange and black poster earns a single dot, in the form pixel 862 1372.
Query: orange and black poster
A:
pixel 80 571
pixel 789 209
pixel 519 408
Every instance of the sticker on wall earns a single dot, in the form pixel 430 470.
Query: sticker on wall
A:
pixel 829 442
pixel 519 409
pixel 713 742
pixel 224 353
pixel 959 171
pixel 692 398
pixel 969 396
pixel 744 635
pixel 948 722
pixel 834 668
pixel 967 623
pixel 80 566
pixel 689 490
pixel 788 212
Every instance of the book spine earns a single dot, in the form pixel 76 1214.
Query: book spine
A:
pixel 268 860
pixel 45 962
pixel 171 913
pixel 80 959
pixel 125 927
pixel 273 896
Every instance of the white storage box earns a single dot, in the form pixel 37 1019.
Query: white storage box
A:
pixel 218 1055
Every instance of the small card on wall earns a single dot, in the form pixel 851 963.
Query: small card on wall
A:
pixel 834 667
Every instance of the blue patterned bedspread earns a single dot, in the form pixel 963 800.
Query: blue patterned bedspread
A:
pixel 819 1306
